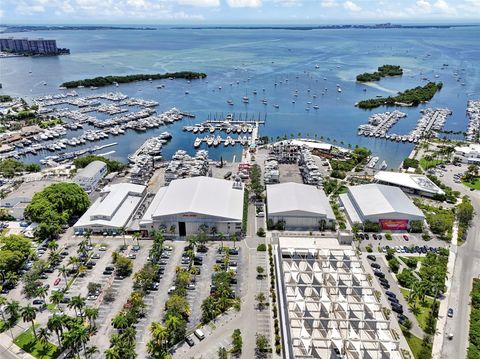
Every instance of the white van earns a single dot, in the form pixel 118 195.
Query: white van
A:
pixel 199 334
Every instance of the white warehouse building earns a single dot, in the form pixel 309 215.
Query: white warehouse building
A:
pixel 301 206
pixel 113 210
pixel 89 177
pixel 410 183
pixel 197 204
pixel 386 205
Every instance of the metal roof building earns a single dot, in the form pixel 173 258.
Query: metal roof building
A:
pixel 409 182
pixel 300 206
pixel 382 204
pixel 191 204
pixel 113 210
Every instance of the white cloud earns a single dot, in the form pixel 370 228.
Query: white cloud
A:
pixel 424 5
pixel 287 3
pixel 244 3
pixel 443 6
pixel 329 3
pixel 200 3
pixel 351 6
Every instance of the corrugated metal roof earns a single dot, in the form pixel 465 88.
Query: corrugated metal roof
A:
pixel 200 195
pixel 296 197
pixel 375 199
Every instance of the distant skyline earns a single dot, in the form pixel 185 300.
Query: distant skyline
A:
pixel 228 12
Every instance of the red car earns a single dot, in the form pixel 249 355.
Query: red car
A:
pixel 405 237
pixel 57 281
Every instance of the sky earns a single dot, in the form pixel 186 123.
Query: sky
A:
pixel 228 12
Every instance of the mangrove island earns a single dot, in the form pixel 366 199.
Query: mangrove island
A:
pixel 410 97
pixel 382 71
pixel 110 80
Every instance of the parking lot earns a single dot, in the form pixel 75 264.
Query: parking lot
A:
pixel 399 242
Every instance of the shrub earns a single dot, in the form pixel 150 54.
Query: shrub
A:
pixel 261 247
pixel 369 248
pixel 261 232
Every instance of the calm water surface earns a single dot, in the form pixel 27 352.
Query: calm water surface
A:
pixel 257 59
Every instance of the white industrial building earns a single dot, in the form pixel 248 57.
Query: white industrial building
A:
pixel 386 205
pixel 113 210
pixel 328 307
pixel 302 207
pixel 89 177
pixel 410 183
pixel 468 154
pixel 196 204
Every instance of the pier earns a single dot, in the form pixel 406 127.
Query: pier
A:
pixel 379 125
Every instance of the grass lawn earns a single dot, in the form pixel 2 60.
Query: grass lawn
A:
pixel 27 342
pixel 415 343
pixel 424 308
pixel 3 326
pixel 429 164
pixel 475 185
pixel 51 307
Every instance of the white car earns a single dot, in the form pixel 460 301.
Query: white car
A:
pixel 171 289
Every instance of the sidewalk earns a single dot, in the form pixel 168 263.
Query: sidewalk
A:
pixel 8 350
pixel 442 311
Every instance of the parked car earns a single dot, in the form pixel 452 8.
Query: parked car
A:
pixel 57 281
pixel 379 274
pixel 450 312
pixel 372 257
pixel 391 294
pixel 189 341
pixel 38 302
pixel 171 289
pixel 393 300
pixel 199 334
pixel 375 265
pixel 406 237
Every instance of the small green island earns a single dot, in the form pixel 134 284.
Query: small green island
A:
pixel 110 80
pixel 410 97
pixel 382 71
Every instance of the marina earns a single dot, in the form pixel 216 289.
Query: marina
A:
pixel 379 125
pixel 473 114
pixel 116 120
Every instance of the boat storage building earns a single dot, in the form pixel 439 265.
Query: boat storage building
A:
pixel 301 206
pixel 113 210
pixel 386 205
pixel 410 183
pixel 192 205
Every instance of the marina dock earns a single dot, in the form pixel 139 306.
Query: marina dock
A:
pixel 473 114
pixel 379 125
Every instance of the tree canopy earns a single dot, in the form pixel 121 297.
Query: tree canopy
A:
pixel 112 165
pixel 55 206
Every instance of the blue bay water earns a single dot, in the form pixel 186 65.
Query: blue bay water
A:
pixel 257 59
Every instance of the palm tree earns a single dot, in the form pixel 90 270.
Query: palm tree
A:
pixel 56 297
pixel 221 236
pixel 88 236
pixel 13 308
pixel 120 322
pixel 63 271
pixel 52 246
pixel 91 314
pixel 12 278
pixel 90 351
pixel 112 353
pixel 82 335
pixel 234 239
pixel 123 231
pixel 73 261
pixel 42 292
pixel 43 335
pixel 53 258
pixel 55 324
pixel 29 314
pixel 77 303
pixel 173 323
pixel 192 241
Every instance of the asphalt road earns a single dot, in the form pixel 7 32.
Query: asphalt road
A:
pixel 467 267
